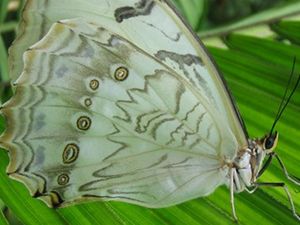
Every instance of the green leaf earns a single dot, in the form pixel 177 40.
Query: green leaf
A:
pixel 3 63
pixel 3 50
pixel 3 10
pixel 192 10
pixel 17 198
pixel 264 17
pixel 8 26
pixel 288 30
pixel 257 71
pixel 3 220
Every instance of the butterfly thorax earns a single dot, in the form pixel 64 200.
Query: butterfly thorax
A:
pixel 249 161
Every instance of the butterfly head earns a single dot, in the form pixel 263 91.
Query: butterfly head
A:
pixel 269 142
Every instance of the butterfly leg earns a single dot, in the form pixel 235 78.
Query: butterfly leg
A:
pixel 232 171
pixel 265 165
pixel 292 178
pixel 282 185
pixel 251 191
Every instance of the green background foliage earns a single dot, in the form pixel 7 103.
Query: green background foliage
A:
pixel 254 46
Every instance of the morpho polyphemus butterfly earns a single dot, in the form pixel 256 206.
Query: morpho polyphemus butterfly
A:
pixel 119 100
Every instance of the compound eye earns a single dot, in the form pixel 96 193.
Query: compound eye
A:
pixel 270 141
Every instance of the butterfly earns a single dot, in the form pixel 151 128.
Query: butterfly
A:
pixel 119 100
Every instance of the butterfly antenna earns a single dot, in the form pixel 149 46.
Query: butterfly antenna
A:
pixel 287 87
pixel 285 101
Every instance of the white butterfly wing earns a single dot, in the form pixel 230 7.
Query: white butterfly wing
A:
pixel 157 138
pixel 149 139
pixel 153 26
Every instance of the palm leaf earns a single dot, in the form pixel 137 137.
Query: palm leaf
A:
pixel 3 221
pixel 257 70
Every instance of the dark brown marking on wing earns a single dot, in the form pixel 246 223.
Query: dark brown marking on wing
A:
pixel 182 124
pixel 197 141
pixel 44 181
pixel 132 100
pixel 154 129
pixel 160 161
pixel 111 197
pixel 142 8
pixel 115 192
pixel 178 164
pixel 175 132
pixel 209 131
pixel 44 28
pixel 202 83
pixel 97 173
pixel 56 199
pixel 127 118
pixel 179 92
pixel 187 133
pixel 174 39
pixel 123 145
pixel 143 128
pixel 182 60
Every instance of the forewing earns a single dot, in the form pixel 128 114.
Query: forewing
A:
pixel 153 26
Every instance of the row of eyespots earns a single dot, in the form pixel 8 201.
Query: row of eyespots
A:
pixel 71 151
